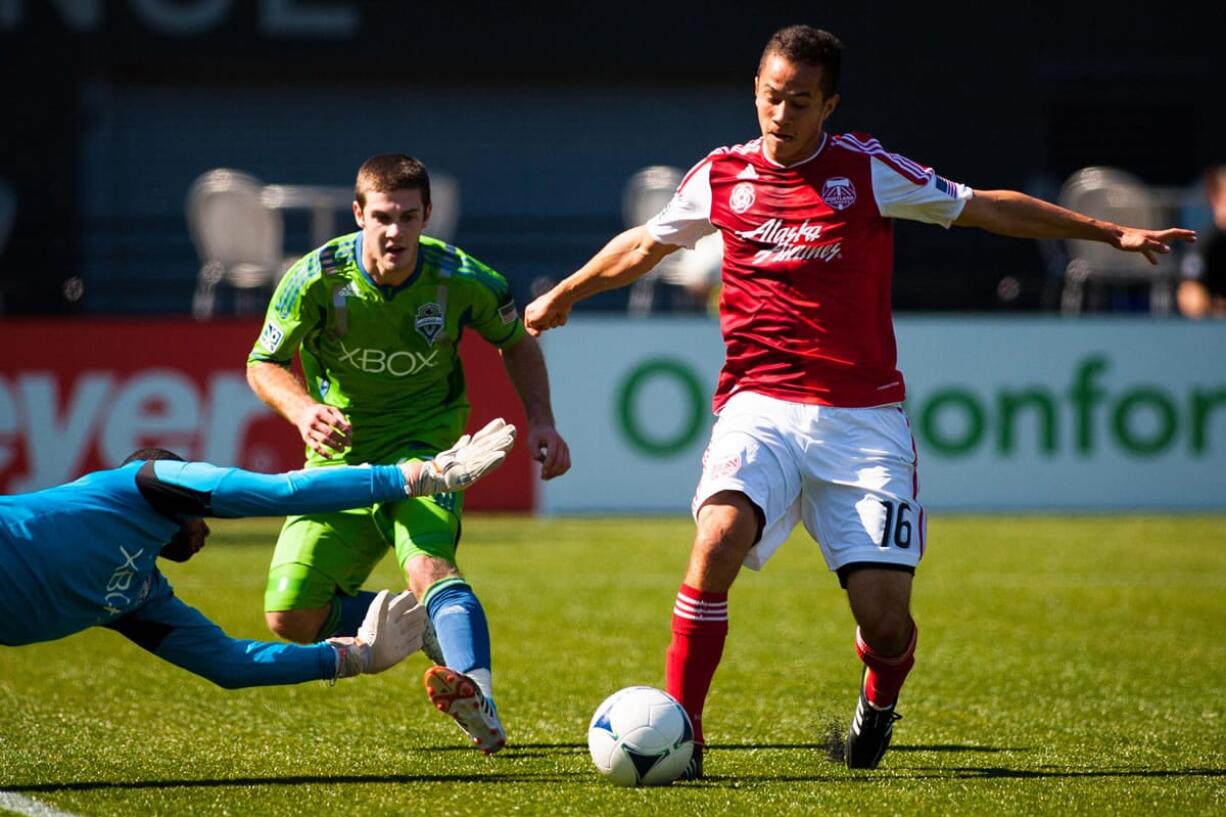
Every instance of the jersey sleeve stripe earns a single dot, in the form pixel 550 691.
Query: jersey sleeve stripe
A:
pixel 912 170
pixel 291 290
pixel 873 147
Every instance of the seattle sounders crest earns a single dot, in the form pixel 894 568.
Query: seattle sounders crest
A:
pixel 429 321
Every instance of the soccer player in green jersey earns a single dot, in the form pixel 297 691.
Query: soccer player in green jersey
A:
pixel 376 318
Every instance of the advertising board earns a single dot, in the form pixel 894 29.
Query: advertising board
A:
pixel 79 395
pixel 1025 413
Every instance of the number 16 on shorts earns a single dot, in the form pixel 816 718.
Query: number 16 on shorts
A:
pixel 902 526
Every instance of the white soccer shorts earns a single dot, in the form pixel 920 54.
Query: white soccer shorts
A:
pixel 848 473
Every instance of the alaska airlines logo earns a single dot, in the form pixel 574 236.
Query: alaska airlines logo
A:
pixel 790 243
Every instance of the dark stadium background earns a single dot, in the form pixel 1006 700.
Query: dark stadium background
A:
pixel 542 110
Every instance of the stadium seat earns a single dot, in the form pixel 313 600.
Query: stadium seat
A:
pixel 1094 268
pixel 691 273
pixel 238 238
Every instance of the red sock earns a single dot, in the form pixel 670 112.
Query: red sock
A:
pixel 700 625
pixel 885 675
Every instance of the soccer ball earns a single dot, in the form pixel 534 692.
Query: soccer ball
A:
pixel 640 736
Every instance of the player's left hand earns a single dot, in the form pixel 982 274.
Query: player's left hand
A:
pixel 1152 243
pixel 546 446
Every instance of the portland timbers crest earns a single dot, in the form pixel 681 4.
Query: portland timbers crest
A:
pixel 430 321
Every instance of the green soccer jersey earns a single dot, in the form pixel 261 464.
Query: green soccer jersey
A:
pixel 388 357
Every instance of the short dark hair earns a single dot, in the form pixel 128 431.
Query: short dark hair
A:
pixel 389 172
pixel 811 46
pixel 152 454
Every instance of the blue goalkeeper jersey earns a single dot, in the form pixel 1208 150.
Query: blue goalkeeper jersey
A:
pixel 84 554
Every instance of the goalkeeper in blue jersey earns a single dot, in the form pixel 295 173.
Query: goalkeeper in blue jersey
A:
pixel 84 554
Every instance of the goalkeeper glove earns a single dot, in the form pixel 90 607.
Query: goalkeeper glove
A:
pixel 391 631
pixel 455 469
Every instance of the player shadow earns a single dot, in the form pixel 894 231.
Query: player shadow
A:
pixel 986 773
pixel 884 777
pixel 892 776
pixel 934 747
pixel 518 750
pixel 293 780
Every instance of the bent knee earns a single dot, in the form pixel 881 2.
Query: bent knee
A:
pixel 887 631
pixel 299 626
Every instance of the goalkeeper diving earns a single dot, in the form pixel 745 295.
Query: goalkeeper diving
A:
pixel 84 554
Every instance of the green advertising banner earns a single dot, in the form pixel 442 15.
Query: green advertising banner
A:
pixel 1042 413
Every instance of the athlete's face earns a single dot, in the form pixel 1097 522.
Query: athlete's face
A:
pixel 391 226
pixel 791 108
pixel 187 542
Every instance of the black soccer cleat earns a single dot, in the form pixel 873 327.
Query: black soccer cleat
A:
pixel 693 769
pixel 870 733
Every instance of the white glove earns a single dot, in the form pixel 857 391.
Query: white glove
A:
pixel 391 631
pixel 464 463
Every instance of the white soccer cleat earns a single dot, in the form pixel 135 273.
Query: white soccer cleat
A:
pixel 457 695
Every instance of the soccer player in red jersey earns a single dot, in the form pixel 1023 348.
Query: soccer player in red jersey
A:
pixel 810 423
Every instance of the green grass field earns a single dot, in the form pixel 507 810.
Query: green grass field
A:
pixel 1065 666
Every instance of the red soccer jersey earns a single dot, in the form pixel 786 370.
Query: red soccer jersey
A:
pixel 808 263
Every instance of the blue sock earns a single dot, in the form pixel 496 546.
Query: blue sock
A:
pixel 459 622
pixel 346 614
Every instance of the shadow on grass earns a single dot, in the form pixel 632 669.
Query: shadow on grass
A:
pixel 884 777
pixel 891 777
pixel 576 746
pixel 935 747
pixel 544 749
pixel 511 747
pixel 294 780
pixel 1055 772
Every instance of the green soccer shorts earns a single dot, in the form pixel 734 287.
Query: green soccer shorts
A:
pixel 319 554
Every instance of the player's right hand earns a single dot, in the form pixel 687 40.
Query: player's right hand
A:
pixel 324 429
pixel 1151 243
pixel 391 631
pixel 457 468
pixel 546 312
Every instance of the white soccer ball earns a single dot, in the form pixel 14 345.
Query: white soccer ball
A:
pixel 640 736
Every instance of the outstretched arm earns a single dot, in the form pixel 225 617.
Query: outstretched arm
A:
pixel 526 368
pixel 626 258
pixel 184 490
pixel 1007 212
pixel 193 489
pixel 180 634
